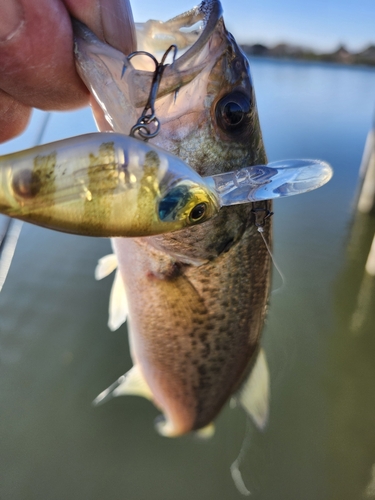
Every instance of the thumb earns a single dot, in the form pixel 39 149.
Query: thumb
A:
pixel 111 21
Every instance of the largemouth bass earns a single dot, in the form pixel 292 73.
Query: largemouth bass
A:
pixel 197 298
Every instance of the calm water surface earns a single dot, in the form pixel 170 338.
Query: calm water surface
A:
pixel 56 353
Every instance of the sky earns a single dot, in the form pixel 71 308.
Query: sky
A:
pixel 319 24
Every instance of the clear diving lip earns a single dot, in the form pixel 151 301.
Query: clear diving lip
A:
pixel 274 180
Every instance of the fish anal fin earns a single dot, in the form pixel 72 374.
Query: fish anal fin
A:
pixel 254 394
pixel 132 383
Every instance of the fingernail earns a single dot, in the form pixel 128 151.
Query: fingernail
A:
pixel 118 25
pixel 11 19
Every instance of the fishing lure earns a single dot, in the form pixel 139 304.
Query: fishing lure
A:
pixel 103 184
pixel 108 184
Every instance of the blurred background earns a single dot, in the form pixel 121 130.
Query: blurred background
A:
pixel 320 24
pixel 57 354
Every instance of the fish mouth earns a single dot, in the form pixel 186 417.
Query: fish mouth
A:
pixel 159 36
pixel 115 79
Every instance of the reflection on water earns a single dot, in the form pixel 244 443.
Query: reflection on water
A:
pixel 350 380
pixel 57 355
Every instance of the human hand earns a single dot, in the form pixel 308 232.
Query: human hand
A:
pixel 36 54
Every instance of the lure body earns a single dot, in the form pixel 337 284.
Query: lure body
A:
pixel 103 185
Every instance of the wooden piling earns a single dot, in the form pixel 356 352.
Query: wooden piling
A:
pixel 366 201
pixel 370 264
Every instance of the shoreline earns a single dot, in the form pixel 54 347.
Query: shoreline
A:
pixel 342 56
pixel 294 60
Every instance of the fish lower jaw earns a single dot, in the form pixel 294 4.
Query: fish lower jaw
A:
pixel 166 428
pixel 170 426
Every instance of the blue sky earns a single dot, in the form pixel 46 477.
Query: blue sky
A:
pixel 320 24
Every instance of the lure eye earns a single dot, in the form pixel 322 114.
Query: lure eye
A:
pixel 169 206
pixel 182 203
pixel 198 212
pixel 233 112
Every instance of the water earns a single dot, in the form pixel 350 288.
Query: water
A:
pixel 56 353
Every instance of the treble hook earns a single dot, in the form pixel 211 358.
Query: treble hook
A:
pixel 142 127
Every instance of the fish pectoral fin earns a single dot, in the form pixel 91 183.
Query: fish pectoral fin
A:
pixel 106 265
pixel 118 304
pixel 132 383
pixel 254 394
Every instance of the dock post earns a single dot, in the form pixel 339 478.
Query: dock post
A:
pixel 370 264
pixel 366 201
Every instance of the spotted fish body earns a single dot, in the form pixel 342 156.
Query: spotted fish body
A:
pixel 197 297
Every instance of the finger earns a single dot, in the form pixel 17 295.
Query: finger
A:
pixel 111 20
pixel 14 117
pixel 36 58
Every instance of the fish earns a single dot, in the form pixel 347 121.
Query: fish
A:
pixel 195 299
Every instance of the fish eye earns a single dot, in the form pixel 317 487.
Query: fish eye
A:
pixel 198 212
pixel 232 112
